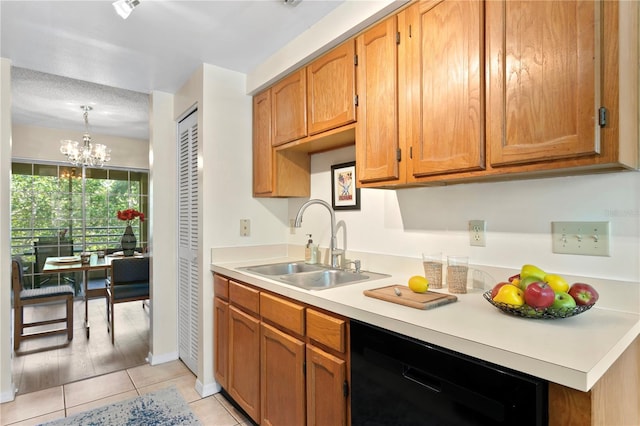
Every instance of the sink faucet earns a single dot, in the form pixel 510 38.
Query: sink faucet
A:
pixel 335 252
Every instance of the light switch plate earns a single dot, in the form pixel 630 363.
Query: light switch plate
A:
pixel 584 238
pixel 245 227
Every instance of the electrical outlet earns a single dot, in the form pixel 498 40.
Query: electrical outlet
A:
pixel 585 238
pixel 245 227
pixel 477 230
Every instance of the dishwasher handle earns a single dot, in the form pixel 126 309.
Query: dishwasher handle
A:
pixel 423 379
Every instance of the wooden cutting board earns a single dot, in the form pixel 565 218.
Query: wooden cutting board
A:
pixel 428 300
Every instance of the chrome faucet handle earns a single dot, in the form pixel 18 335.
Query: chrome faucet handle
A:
pixel 356 265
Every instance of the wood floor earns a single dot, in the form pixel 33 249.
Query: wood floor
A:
pixel 45 362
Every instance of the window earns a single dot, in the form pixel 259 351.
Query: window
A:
pixel 46 213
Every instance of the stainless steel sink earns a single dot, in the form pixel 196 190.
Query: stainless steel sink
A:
pixel 283 268
pixel 311 277
pixel 329 278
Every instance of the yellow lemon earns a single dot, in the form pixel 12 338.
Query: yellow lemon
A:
pixel 418 284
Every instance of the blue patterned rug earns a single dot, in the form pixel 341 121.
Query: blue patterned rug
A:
pixel 163 407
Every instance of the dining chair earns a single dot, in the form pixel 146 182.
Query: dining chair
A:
pixel 38 296
pixel 52 247
pixel 128 282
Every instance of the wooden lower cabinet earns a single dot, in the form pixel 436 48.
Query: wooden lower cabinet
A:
pixel 244 361
pixel 613 400
pixel 221 340
pixel 281 378
pixel 326 388
pixel 284 363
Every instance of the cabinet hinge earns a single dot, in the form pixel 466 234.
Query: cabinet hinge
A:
pixel 355 60
pixel 345 389
pixel 399 155
pixel 398 37
pixel 602 116
pixel 355 100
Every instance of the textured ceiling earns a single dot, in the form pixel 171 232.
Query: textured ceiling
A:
pixel 71 53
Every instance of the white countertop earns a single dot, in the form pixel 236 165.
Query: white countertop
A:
pixel 573 352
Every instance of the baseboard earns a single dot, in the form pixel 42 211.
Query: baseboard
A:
pixel 161 358
pixel 8 395
pixel 208 389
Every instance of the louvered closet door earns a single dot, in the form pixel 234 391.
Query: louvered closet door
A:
pixel 188 240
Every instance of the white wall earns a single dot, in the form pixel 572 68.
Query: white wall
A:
pixel 518 215
pixel 225 169
pixel 39 143
pixel 162 234
pixel 6 350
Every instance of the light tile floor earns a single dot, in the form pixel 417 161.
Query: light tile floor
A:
pixel 61 401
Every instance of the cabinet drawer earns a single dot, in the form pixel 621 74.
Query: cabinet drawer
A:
pixel 221 286
pixel 327 330
pixel 282 312
pixel 244 297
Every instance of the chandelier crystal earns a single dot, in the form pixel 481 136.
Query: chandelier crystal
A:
pixel 87 153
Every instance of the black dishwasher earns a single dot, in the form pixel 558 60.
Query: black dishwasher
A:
pixel 398 380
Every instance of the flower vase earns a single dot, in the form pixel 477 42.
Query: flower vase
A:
pixel 128 241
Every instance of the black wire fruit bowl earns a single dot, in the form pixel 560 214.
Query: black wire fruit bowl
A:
pixel 527 311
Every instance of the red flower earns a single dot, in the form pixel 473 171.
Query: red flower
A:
pixel 130 214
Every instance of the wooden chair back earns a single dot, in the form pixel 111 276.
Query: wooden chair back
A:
pixel 25 297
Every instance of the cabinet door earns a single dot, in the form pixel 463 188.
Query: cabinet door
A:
pixel 221 340
pixel 544 88
pixel 377 126
pixel 263 156
pixel 448 105
pixel 282 378
pixel 244 361
pixel 289 108
pixel 331 89
pixel 326 383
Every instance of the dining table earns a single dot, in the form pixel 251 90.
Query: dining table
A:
pixel 63 264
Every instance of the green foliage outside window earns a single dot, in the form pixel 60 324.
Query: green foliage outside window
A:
pixel 46 202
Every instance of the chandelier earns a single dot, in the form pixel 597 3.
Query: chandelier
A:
pixel 87 153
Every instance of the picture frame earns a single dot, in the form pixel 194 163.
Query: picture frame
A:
pixel 344 194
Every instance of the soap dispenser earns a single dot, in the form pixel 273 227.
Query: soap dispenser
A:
pixel 307 250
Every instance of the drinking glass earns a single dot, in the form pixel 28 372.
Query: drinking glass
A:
pixel 457 268
pixel 433 269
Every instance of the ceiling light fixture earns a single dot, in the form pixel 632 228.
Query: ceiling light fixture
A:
pixel 87 154
pixel 125 7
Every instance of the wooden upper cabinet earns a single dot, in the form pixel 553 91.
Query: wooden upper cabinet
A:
pixel 444 65
pixel 263 156
pixel 289 108
pixel 331 89
pixel 544 82
pixel 377 127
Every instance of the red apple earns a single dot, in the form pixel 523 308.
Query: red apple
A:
pixel 539 295
pixel 496 288
pixel 583 294
pixel 513 277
